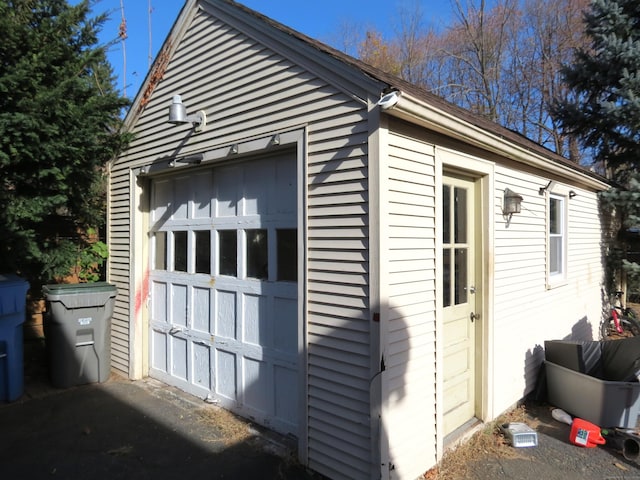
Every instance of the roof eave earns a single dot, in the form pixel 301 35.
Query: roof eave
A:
pixel 415 110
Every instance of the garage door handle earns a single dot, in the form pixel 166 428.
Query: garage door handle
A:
pixel 84 344
pixel 173 331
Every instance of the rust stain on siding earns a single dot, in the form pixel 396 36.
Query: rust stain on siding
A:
pixel 156 75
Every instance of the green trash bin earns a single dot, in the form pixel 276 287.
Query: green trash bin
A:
pixel 77 329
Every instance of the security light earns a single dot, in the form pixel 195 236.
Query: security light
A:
pixel 178 115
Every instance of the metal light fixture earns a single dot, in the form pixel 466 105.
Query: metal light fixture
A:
pixel 389 100
pixel 511 203
pixel 543 190
pixel 190 160
pixel 178 115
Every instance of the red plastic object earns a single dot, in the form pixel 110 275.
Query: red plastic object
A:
pixel 585 434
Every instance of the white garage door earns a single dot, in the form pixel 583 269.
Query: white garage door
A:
pixel 223 286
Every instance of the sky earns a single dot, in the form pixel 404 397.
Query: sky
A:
pixel 319 19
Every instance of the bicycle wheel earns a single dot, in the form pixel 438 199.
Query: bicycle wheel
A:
pixel 630 325
pixel 630 312
pixel 607 328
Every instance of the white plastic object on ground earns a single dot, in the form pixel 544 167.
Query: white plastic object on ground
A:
pixel 561 416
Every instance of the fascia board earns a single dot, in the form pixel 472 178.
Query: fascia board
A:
pixel 417 111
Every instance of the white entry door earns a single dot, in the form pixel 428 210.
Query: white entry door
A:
pixel 459 301
pixel 223 284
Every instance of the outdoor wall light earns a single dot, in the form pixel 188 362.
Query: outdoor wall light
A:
pixel 389 100
pixel 190 160
pixel 542 190
pixel 178 115
pixel 572 194
pixel 512 203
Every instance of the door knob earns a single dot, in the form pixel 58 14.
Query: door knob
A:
pixel 474 316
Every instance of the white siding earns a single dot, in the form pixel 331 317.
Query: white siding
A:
pixel 249 91
pixel 409 280
pixel 527 312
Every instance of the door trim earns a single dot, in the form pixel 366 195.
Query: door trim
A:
pixel 483 171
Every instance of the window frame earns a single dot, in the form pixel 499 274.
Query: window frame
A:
pixel 557 276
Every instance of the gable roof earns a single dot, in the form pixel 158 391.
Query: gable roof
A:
pixel 417 106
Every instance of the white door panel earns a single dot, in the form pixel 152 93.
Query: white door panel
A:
pixel 459 303
pixel 224 320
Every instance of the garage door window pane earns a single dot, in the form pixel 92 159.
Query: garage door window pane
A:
pixel 446 277
pixel 203 251
pixel 257 254
pixel 161 251
pixel 228 241
pixel 287 255
pixel 179 251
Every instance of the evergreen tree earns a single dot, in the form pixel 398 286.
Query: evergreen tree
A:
pixel 604 113
pixel 60 115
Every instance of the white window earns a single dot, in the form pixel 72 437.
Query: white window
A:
pixel 557 245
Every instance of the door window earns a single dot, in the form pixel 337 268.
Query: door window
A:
pixel 160 245
pixel 203 251
pixel 257 254
pixel 454 245
pixel 180 251
pixel 287 252
pixel 228 252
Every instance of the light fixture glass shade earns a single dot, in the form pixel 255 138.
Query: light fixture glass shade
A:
pixel 177 111
pixel 512 202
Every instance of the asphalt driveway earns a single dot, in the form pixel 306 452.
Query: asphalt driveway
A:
pixel 147 430
pixel 555 457
pixel 131 430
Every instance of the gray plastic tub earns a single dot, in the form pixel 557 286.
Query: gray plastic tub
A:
pixel 78 332
pixel 605 403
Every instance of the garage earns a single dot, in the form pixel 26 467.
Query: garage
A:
pixel 223 286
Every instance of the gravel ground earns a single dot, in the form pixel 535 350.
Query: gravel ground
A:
pixel 488 456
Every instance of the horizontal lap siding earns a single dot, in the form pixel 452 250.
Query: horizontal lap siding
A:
pixel 119 261
pixel 249 91
pixel 526 312
pixel 410 284
pixel 338 282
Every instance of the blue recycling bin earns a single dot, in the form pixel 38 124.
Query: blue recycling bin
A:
pixel 13 301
